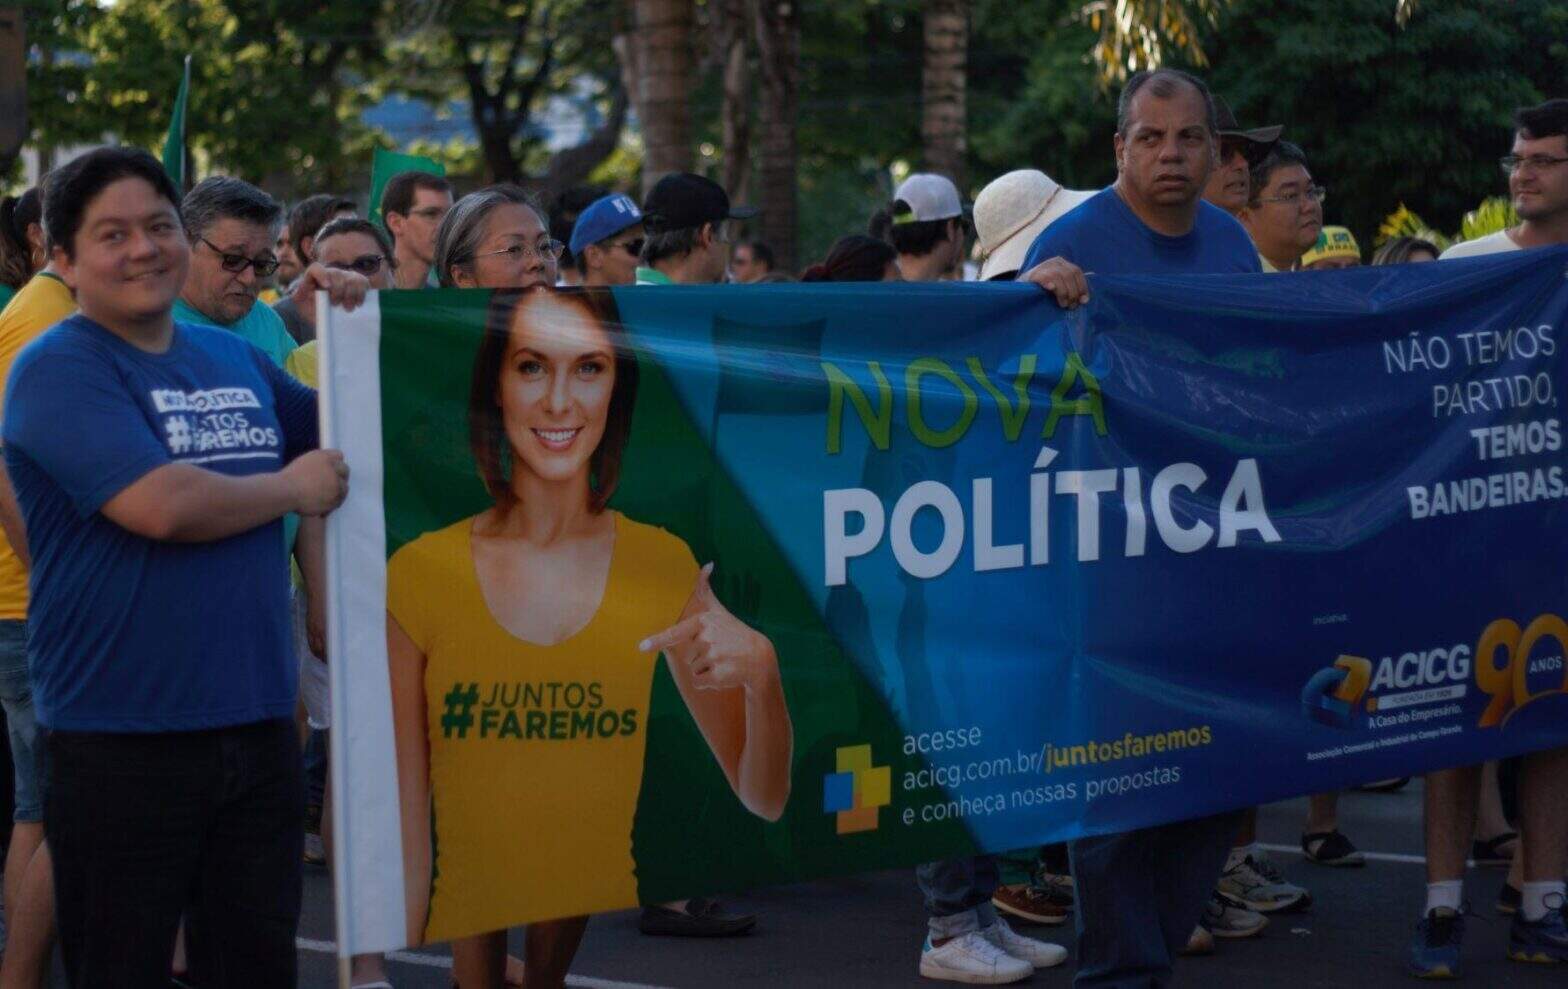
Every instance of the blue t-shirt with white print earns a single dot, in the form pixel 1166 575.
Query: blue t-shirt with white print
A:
pixel 129 634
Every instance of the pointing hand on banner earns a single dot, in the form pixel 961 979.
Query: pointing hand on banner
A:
pixel 1062 279
pixel 345 289
pixel 722 651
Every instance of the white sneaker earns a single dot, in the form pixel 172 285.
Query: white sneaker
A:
pixel 1040 954
pixel 974 959
pixel 1256 884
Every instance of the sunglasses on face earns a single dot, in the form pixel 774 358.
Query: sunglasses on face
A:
pixel 366 264
pixel 236 263
pixel 632 247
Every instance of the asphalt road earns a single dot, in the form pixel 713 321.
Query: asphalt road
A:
pixel 867 931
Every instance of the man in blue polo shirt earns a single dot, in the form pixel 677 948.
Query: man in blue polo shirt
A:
pixel 153 462
pixel 1140 894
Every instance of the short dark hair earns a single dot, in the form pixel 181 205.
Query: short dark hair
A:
pixel 670 244
pixel 568 206
pixel 856 258
pixel 487 431
pixel 1549 119
pixel 72 187
pixel 17 213
pixel 398 194
pixel 223 198
pixel 760 251
pixel 311 214
pixel 1280 156
pixel 357 225
pixel 1164 83
pixel 916 238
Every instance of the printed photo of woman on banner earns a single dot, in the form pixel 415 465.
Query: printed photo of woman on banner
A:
pixel 522 644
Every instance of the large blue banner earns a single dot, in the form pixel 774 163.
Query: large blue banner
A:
pixel 986 573
pixel 1202 543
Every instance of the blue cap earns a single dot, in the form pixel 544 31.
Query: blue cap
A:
pixel 602 219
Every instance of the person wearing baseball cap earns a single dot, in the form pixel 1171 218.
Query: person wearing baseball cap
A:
pixel 607 240
pixel 1229 185
pixel 688 238
pixel 1011 212
pixel 1336 248
pixel 925 222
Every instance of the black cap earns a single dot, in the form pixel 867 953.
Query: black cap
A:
pixel 681 201
pixel 1259 139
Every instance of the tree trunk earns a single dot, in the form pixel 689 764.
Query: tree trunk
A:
pixel 942 123
pixel 660 83
pixel 732 20
pixel 778 59
pixel 13 86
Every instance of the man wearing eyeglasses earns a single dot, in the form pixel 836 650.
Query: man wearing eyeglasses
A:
pixel 607 240
pixel 232 226
pixel 1285 213
pixel 413 206
pixel 1537 170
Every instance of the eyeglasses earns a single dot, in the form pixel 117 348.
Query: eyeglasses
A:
pixel 545 250
pixel 1536 163
pixel 430 212
pixel 366 264
pixel 236 263
pixel 1316 193
pixel 632 247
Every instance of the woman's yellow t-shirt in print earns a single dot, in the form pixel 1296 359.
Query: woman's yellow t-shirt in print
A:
pixel 536 752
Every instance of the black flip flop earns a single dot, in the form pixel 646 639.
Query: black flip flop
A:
pixel 1489 853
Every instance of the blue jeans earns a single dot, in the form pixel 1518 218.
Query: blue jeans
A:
pixel 16 696
pixel 1139 896
pixel 958 894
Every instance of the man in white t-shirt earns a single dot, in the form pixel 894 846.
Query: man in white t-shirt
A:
pixel 1537 171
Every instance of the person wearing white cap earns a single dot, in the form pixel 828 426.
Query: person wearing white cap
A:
pixel 1011 212
pixel 925 223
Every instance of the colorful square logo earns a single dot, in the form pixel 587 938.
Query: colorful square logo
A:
pixel 856 789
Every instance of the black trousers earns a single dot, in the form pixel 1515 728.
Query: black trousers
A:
pixel 147 828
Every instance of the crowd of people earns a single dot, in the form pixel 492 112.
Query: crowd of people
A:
pixel 163 500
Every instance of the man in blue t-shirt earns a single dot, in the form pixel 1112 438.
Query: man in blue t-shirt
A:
pixel 1140 894
pixel 153 462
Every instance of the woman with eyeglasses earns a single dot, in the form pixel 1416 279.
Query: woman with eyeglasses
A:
pixel 496 238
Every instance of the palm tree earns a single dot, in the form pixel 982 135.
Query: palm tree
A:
pixel 656 64
pixel 778 67
pixel 943 87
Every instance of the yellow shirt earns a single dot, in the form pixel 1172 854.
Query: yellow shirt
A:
pixel 40 304
pixel 302 364
pixel 536 752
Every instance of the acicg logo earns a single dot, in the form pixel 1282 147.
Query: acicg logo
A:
pixel 1510 666
pixel 1333 695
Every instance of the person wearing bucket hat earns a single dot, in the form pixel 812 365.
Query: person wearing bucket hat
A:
pixel 1336 248
pixel 607 240
pixel 688 239
pixel 1229 186
pixel 1011 212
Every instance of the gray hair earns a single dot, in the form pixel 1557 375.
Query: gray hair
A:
pixel 223 198
pixel 457 240
pixel 1164 83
